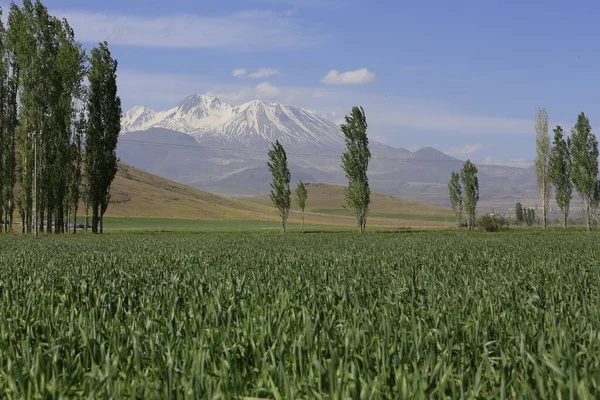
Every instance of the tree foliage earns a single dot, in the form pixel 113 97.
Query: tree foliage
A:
pixel 102 133
pixel 470 183
pixel 542 161
pixel 280 193
pixel 456 196
pixel 301 196
pixel 560 172
pixel 519 215
pixel 584 168
pixel 530 216
pixel 48 118
pixel 355 163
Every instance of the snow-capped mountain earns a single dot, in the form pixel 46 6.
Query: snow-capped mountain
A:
pixel 137 119
pixel 251 124
pixel 222 148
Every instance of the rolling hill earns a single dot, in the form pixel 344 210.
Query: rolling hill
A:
pixel 148 201
pixel 138 194
pixel 328 200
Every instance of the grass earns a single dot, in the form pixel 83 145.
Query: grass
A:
pixel 416 217
pixel 329 315
pixel 173 224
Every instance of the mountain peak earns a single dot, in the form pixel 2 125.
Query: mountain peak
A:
pixel 431 154
pixel 199 100
pixel 251 123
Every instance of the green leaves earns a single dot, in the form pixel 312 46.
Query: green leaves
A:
pixel 456 196
pixel 584 167
pixel 102 133
pixel 470 183
pixel 301 195
pixel 280 193
pixel 355 163
pixel 560 172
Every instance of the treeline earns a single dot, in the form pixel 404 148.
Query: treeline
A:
pixel 568 163
pixel 58 135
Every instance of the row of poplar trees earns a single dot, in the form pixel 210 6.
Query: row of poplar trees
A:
pixel 464 193
pixel 565 164
pixel 58 136
pixel 355 163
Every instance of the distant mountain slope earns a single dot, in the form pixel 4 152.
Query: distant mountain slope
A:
pixel 135 193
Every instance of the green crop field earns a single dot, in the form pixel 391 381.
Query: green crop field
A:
pixel 328 315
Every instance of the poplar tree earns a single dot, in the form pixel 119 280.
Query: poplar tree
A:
pixel 456 200
pixel 355 163
pixel 301 195
pixel 280 193
pixel 470 182
pixel 584 168
pixel 542 161
pixel 102 133
pixel 520 217
pixel 560 172
pixel 3 125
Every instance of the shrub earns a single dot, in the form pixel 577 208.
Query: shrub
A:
pixel 493 223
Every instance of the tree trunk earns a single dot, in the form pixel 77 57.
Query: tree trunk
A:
pixel 95 218
pixel 565 216
pixel 59 225
pixel 302 221
pixel 587 216
pixel 75 223
pixel 42 215
pixel 101 224
pixel 49 222
pixel 545 210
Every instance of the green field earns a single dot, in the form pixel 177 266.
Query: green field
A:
pixel 175 225
pixel 327 315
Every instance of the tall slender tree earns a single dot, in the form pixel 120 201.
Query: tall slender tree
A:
pixel 102 133
pixel 470 182
pixel 355 162
pixel 584 168
pixel 301 195
pixel 560 172
pixel 519 215
pixel 280 193
pixel 542 161
pixel 4 132
pixel 456 197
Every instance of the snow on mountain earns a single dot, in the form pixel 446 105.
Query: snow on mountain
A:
pixel 255 122
pixel 139 118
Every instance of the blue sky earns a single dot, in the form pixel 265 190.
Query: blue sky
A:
pixel 463 76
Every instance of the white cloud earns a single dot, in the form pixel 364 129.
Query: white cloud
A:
pixel 264 72
pixel 238 72
pixel 512 162
pixel 358 77
pixel 265 89
pixel 243 31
